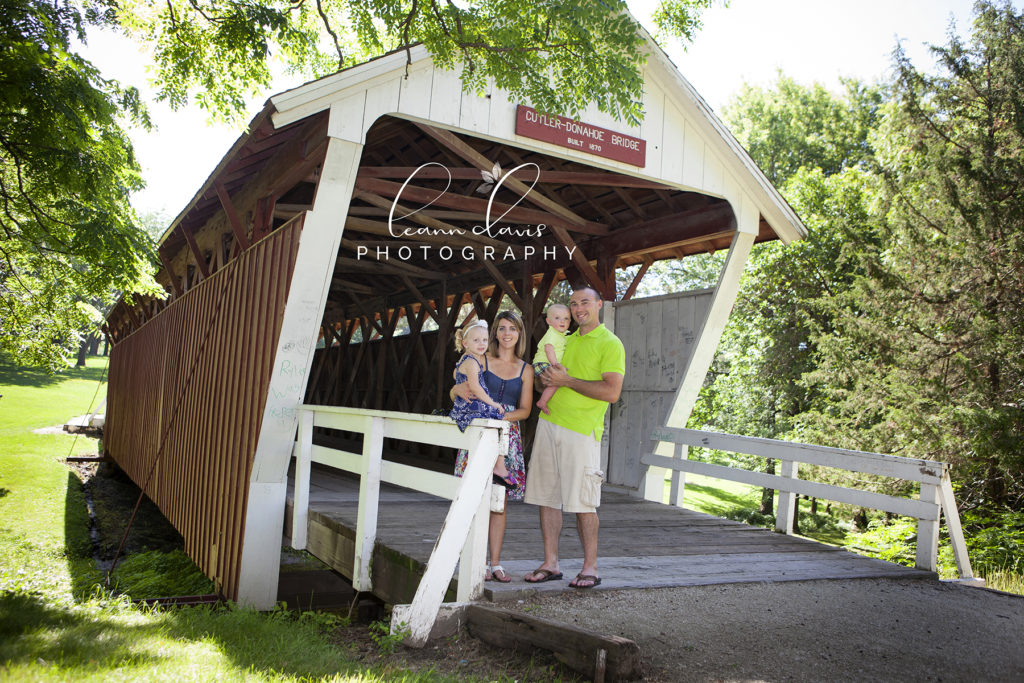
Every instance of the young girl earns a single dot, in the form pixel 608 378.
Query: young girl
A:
pixel 471 341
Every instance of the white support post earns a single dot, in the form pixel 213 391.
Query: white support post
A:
pixel 928 532
pixel 787 499
pixel 300 499
pixel 303 313
pixel 678 487
pixel 956 532
pixel 653 484
pixel 475 487
pixel 369 500
pixel 474 553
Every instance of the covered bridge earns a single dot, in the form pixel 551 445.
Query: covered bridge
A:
pixel 335 248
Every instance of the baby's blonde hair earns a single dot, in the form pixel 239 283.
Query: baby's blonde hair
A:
pixel 556 306
pixel 460 335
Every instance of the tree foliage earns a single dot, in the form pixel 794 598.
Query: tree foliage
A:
pixel 928 355
pixel 558 55
pixel 815 143
pixel 67 236
pixel 897 325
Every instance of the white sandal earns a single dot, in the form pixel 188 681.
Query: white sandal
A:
pixel 494 574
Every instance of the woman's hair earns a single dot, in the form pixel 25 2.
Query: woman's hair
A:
pixel 460 334
pixel 511 316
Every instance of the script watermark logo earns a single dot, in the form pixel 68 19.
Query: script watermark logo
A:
pixel 477 237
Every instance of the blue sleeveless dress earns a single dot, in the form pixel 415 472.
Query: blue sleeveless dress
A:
pixel 506 392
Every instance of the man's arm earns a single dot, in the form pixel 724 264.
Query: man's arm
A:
pixel 608 388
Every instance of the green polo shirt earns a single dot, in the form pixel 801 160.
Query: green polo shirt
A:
pixel 588 357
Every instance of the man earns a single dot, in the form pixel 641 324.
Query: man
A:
pixel 565 467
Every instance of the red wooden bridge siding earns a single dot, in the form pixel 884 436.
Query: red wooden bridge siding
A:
pixel 227 327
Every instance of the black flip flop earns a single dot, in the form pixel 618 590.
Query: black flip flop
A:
pixel 596 581
pixel 547 575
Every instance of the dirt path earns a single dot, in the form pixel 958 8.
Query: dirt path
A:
pixel 854 630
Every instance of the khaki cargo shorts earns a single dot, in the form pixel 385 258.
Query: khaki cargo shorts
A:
pixel 565 470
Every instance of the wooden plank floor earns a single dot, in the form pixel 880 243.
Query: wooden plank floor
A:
pixel 642 544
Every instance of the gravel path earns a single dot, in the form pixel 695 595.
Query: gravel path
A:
pixel 854 630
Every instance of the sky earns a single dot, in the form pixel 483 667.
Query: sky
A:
pixel 748 41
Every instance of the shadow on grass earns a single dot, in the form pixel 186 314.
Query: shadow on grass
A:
pixel 14 375
pixel 32 630
pixel 204 642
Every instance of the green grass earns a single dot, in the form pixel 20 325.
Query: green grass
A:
pixel 740 502
pixel 55 621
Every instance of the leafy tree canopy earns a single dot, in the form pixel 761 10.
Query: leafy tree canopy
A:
pixel 558 55
pixel 67 236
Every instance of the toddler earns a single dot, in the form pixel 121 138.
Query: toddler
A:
pixel 471 341
pixel 551 347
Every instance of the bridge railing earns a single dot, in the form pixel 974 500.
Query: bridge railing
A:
pixel 935 498
pixel 464 533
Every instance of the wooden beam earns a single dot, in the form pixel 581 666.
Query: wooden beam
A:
pixel 502 282
pixel 422 299
pixel 546 177
pixel 175 285
pixel 300 170
pixel 631 290
pixel 576 647
pixel 389 268
pixel 578 258
pixel 200 260
pixel 233 218
pixel 669 231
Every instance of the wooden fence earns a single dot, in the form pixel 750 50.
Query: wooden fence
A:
pixel 464 533
pixel 936 491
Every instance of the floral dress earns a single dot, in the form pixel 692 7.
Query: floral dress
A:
pixel 464 412
pixel 506 392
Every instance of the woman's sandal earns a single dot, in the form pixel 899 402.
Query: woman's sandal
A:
pixel 501 481
pixel 499 574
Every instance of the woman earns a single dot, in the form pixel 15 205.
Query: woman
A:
pixel 509 380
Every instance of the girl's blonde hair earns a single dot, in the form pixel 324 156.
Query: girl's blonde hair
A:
pixel 460 335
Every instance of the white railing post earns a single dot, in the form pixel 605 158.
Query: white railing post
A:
pixel 956 532
pixel 300 499
pixel 678 486
pixel 474 553
pixel 928 532
pixel 472 496
pixel 369 500
pixel 787 499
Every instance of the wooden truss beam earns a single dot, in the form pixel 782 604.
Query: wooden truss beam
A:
pixel 631 290
pixel 546 177
pixel 233 218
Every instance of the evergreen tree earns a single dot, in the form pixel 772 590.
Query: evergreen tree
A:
pixel 927 357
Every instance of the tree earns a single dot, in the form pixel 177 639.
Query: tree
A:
pixel 791 126
pixel 558 55
pixel 67 235
pixel 926 359
pixel 815 145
